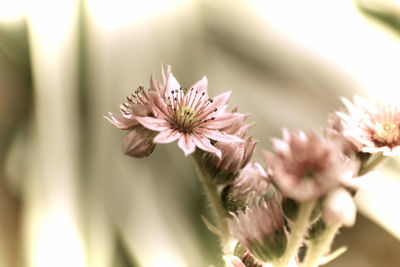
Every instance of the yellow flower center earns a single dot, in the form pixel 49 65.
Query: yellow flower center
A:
pixel 185 118
pixel 387 132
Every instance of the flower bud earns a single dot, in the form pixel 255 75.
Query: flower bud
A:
pixel 260 228
pixel 138 142
pixel 339 207
pixel 234 156
pixel 250 186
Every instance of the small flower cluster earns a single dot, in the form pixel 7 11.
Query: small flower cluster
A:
pixel 306 188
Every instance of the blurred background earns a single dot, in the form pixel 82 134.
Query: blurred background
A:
pixel 68 195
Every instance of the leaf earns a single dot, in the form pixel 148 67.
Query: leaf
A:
pixel 210 226
pixel 330 257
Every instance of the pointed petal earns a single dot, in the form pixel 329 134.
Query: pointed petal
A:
pixel 223 120
pixel 365 104
pixel 201 86
pixel 344 117
pixel 140 110
pixel 158 105
pixel 167 136
pixel 153 123
pixel 164 79
pixel 154 85
pixel 285 134
pixel 353 110
pixel 172 83
pixel 219 101
pixel 219 136
pixel 164 76
pixel 120 121
pixel 186 143
pixel 204 144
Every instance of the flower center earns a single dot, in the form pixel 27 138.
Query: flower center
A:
pixel 387 132
pixel 185 116
pixel 189 110
pixel 309 173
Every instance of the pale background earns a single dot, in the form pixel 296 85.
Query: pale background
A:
pixel 69 197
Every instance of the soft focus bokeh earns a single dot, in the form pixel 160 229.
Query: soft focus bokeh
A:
pixel 68 195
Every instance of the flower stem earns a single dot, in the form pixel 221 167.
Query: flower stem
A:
pixel 300 227
pixel 371 164
pixel 216 204
pixel 320 245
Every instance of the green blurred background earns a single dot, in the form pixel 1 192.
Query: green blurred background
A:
pixel 69 197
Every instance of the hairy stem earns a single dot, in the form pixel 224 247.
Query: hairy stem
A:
pixel 300 227
pixel 320 245
pixel 216 204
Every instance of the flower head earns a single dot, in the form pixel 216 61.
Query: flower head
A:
pixel 305 167
pixel 138 142
pixel 260 228
pixel 189 116
pixel 372 128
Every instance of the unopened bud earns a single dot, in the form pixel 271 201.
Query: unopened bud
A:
pixel 260 228
pixel 138 142
pixel 251 185
pixel 339 207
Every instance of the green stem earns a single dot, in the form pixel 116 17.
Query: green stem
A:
pixel 371 164
pixel 300 227
pixel 320 245
pixel 216 204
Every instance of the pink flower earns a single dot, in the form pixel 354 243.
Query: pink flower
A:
pixel 372 128
pixel 189 116
pixel 138 142
pixel 305 167
pixel 260 228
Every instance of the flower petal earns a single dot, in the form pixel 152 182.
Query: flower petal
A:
pixel 173 84
pixel 158 105
pixel 167 136
pixel 204 144
pixel 201 86
pixel 153 123
pixel 155 85
pixel 223 120
pixel 186 143
pixel 364 104
pixel 219 101
pixel 140 110
pixel 353 110
pixel 120 121
pixel 219 136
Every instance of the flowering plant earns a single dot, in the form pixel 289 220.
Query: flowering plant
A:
pixel 302 195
